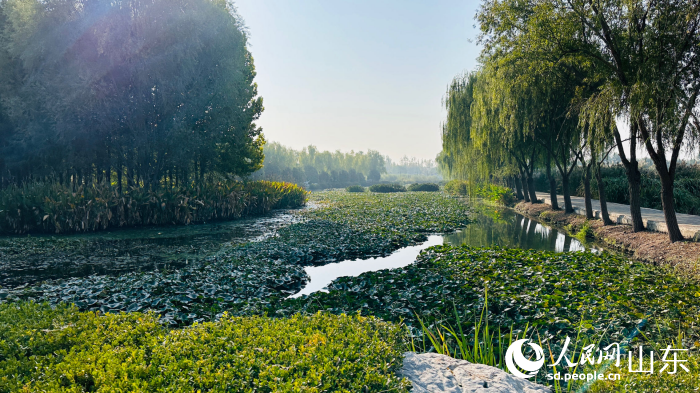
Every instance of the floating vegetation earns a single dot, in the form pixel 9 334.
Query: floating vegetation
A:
pixel 557 294
pixel 251 277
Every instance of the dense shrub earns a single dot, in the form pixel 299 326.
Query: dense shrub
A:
pixel 457 187
pixel 488 191
pixel 355 189
pixel 495 193
pixel 387 188
pixel 61 349
pixel 55 208
pixel 430 187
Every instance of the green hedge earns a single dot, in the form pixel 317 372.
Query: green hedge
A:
pixel 61 349
pixel 355 189
pixel 430 187
pixel 384 188
pixel 55 208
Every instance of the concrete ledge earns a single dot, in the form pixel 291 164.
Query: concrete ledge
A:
pixel 690 232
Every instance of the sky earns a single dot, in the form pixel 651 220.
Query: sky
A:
pixel 359 75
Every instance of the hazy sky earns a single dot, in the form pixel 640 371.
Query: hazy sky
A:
pixel 358 75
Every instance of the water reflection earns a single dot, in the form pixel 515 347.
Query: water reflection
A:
pixel 321 276
pixel 492 227
pixel 508 229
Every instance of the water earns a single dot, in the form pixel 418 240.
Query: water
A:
pixel 30 259
pixel 492 227
pixel 508 229
pixel 321 276
pixel 27 260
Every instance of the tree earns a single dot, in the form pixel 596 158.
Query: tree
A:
pixel 147 90
pixel 650 50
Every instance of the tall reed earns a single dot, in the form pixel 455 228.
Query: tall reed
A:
pixel 55 208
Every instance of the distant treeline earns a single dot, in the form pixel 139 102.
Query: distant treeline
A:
pixel 686 193
pixel 326 169
pixel 320 169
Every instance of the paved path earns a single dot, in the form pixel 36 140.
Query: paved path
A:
pixel 653 219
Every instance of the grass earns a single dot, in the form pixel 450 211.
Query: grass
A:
pixel 597 297
pixel 441 299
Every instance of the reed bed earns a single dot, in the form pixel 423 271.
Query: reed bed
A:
pixel 55 208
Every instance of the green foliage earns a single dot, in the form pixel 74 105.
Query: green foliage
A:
pixel 483 346
pixel 457 187
pixel 495 193
pixel 355 189
pixel 681 382
pixel 56 208
pixel 430 187
pixel 385 188
pixel 144 90
pixel 491 192
pixel 60 349
pixel 586 232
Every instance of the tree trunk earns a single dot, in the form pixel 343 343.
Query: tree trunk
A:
pixel 531 188
pixel 568 207
pixel 552 185
pixel 120 171
pixel 674 232
pixel 518 188
pixel 587 192
pixel 634 180
pixel 526 191
pixel 601 196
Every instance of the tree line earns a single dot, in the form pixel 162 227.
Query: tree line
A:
pixel 554 79
pixel 324 168
pixel 130 93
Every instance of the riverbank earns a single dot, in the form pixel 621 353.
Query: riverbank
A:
pixel 647 246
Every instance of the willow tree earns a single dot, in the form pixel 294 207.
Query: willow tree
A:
pixel 651 52
pixel 459 158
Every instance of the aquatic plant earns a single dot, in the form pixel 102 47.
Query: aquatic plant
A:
pixel 249 278
pixel 557 294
